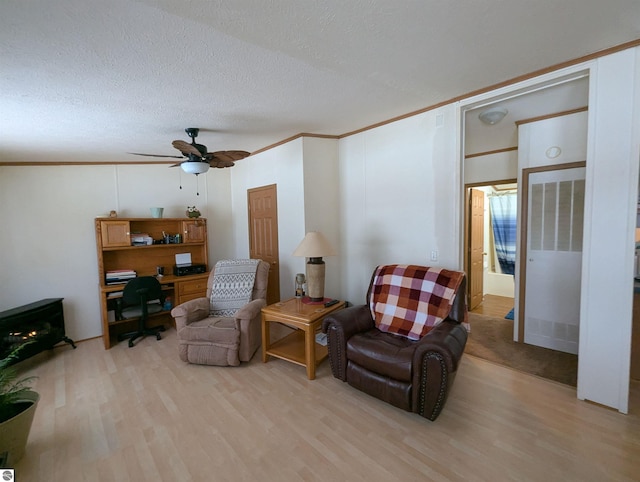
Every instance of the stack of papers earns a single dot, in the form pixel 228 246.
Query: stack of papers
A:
pixel 119 276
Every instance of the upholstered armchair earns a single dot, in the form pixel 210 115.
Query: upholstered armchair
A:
pixel 405 344
pixel 223 328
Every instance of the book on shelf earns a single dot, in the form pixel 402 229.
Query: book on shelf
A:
pixel 120 273
pixel 119 276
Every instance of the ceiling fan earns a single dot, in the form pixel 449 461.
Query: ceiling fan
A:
pixel 198 160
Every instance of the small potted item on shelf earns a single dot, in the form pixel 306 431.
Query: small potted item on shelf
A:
pixel 192 212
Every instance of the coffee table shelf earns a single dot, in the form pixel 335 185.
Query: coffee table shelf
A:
pixel 292 348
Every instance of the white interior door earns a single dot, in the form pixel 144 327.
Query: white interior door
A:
pixel 554 258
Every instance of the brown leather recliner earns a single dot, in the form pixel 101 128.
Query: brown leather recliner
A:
pixel 413 375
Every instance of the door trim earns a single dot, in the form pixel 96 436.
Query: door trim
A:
pixel 524 233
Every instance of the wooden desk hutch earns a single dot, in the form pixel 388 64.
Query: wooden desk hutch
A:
pixel 114 239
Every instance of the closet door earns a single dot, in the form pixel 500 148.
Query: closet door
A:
pixel 554 258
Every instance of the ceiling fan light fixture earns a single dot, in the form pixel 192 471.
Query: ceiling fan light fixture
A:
pixel 195 167
pixel 493 115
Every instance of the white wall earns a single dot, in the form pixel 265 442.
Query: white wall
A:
pixel 399 186
pixel 322 204
pixel 491 167
pixel 610 203
pixel 305 173
pixel 47 244
pixel 283 166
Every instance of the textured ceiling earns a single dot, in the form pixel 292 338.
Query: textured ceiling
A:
pixel 90 80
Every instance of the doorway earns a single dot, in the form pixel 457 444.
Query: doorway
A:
pixel 491 152
pixel 491 247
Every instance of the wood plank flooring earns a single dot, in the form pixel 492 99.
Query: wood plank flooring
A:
pixel 492 305
pixel 140 414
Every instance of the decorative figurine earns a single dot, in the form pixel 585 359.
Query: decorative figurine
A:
pixel 113 214
pixel 192 212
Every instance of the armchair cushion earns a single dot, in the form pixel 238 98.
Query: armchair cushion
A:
pixel 384 353
pixel 410 300
pixel 220 330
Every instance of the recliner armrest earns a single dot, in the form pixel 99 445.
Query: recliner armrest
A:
pixel 448 339
pixel 435 363
pixel 250 310
pixel 190 311
pixel 339 327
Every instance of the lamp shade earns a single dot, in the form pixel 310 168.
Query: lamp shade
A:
pixel 314 245
pixel 195 167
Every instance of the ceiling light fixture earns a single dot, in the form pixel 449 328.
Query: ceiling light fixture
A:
pixel 493 115
pixel 195 167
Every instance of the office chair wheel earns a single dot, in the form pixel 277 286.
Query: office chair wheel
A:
pixel 158 337
pixel 130 343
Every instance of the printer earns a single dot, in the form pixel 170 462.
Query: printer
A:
pixel 184 267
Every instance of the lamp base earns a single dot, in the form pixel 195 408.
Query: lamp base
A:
pixel 315 279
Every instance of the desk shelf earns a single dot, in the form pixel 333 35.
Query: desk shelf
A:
pixel 150 246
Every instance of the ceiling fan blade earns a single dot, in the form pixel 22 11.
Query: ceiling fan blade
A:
pixel 229 156
pixel 153 155
pixel 186 148
pixel 175 165
pixel 219 163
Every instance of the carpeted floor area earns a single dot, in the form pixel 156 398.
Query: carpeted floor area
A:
pixel 492 339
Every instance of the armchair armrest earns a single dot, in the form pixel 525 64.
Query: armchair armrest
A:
pixel 248 322
pixel 435 363
pixel 190 311
pixel 250 310
pixel 339 327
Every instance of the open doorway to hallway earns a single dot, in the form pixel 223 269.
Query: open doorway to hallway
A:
pixel 491 247
pixel 495 152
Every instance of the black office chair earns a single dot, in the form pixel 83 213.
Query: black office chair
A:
pixel 140 297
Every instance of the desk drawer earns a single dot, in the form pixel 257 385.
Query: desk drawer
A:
pixel 194 287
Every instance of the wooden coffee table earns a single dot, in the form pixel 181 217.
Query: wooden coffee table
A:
pixel 299 347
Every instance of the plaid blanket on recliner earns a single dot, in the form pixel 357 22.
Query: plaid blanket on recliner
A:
pixel 410 300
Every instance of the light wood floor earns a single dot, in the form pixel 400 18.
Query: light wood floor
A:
pixel 140 414
pixel 492 305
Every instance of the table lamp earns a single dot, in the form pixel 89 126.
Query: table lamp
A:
pixel 314 246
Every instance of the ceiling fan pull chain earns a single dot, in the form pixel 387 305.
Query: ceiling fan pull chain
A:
pixel 197 185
